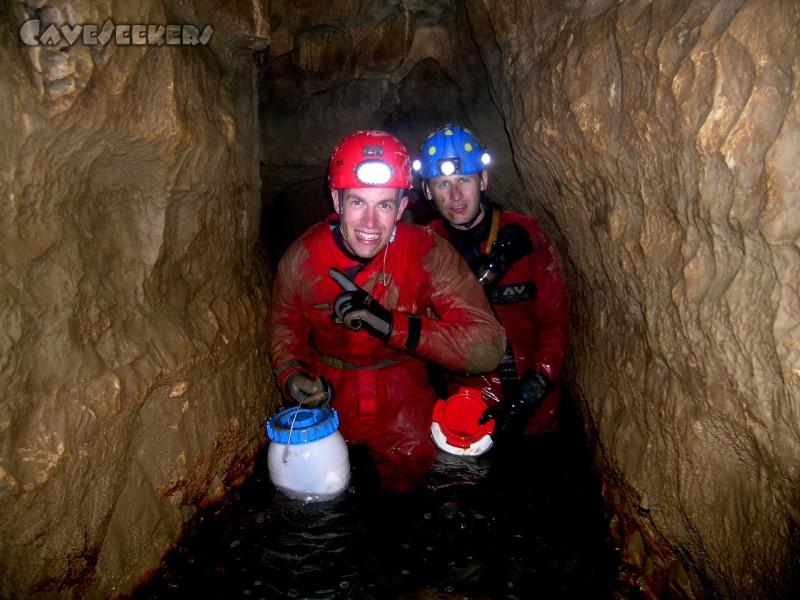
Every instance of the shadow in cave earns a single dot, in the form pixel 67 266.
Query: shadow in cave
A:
pixel 525 523
pixel 291 211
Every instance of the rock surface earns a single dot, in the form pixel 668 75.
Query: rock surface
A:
pixel 670 132
pixel 132 361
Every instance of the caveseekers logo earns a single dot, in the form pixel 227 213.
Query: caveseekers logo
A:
pixel 31 34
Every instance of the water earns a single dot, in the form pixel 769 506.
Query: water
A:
pixel 524 524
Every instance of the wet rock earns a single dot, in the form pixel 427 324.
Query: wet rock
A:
pixel 132 359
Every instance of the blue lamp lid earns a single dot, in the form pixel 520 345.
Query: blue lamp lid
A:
pixel 298 425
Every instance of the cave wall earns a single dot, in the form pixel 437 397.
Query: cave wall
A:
pixel 663 138
pixel 657 141
pixel 133 369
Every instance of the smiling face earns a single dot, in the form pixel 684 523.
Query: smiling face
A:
pixel 457 197
pixel 367 217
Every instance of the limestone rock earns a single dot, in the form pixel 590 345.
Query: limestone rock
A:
pixel 667 129
pixel 132 361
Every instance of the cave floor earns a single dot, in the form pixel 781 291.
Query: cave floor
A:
pixel 527 523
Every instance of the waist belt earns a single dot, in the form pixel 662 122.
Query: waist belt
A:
pixel 336 363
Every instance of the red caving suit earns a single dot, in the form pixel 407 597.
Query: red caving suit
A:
pixel 532 304
pixel 382 392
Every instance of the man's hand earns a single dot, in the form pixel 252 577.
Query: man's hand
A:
pixel 533 388
pixel 510 417
pixel 512 414
pixel 512 244
pixel 355 308
pixel 307 391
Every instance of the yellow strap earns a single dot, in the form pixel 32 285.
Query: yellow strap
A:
pixel 493 230
pixel 338 363
pixel 332 361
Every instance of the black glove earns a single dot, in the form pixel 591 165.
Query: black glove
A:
pixel 512 243
pixel 355 308
pixel 512 414
pixel 309 391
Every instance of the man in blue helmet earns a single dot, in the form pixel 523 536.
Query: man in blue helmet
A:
pixel 522 275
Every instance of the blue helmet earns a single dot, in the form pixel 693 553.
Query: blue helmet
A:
pixel 451 149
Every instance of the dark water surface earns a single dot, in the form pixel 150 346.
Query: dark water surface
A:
pixel 524 523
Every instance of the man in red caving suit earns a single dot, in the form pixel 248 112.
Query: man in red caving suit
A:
pixel 522 274
pixel 362 300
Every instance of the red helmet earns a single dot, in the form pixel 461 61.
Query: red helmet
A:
pixel 370 159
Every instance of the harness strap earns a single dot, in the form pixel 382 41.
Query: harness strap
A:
pixel 337 363
pixel 507 369
pixel 493 231
pixel 365 379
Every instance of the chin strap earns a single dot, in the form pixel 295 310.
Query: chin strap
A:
pixel 383 270
pixel 385 253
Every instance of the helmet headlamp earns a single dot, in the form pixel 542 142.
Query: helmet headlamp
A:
pixel 448 166
pixel 451 149
pixel 369 158
pixel 373 172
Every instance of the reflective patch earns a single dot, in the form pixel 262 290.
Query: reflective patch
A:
pixel 510 294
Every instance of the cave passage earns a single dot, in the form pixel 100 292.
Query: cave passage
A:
pixel 146 193
pixel 524 524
